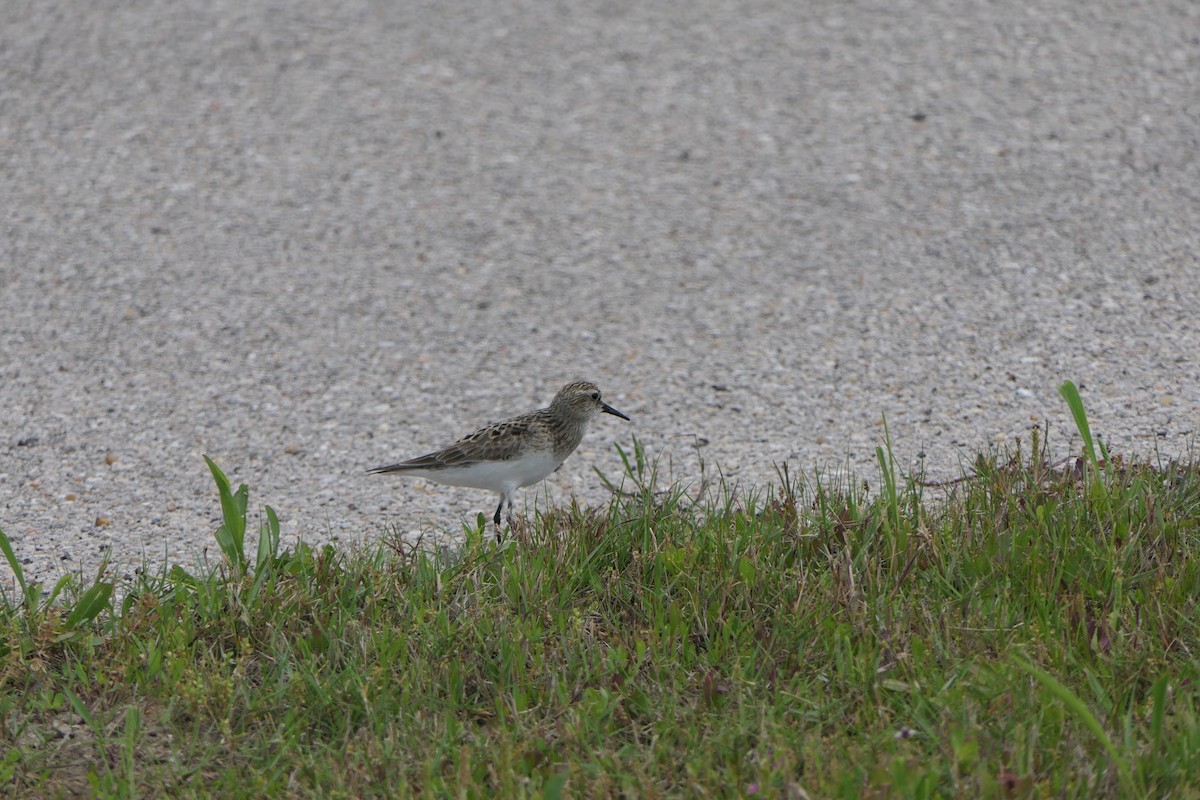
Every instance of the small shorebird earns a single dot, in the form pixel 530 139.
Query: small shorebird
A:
pixel 506 456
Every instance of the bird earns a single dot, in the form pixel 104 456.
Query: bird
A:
pixel 505 456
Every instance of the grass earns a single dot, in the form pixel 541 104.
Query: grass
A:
pixel 1028 630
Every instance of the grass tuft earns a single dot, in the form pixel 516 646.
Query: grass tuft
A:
pixel 1018 632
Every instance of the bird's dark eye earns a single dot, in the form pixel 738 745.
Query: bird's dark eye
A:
pixel 595 395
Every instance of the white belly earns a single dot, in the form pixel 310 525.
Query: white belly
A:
pixel 496 476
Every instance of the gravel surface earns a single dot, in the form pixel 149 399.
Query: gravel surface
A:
pixel 311 238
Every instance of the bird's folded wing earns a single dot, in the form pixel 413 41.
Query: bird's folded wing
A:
pixel 489 444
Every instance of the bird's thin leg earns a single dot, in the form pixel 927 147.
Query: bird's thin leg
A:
pixel 499 531
pixel 510 512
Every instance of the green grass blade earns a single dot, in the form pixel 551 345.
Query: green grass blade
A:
pixel 90 604
pixel 1158 695
pixel 608 484
pixel 83 711
pixel 268 540
pixel 232 533
pixel 14 565
pixel 1075 403
pixel 1086 717
pixel 552 789
pixel 241 500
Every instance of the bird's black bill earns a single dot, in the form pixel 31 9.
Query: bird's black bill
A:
pixel 607 409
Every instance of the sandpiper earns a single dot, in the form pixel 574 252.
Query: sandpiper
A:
pixel 506 456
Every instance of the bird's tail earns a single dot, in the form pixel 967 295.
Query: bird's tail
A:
pixel 391 468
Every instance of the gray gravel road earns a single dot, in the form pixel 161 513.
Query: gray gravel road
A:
pixel 311 238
